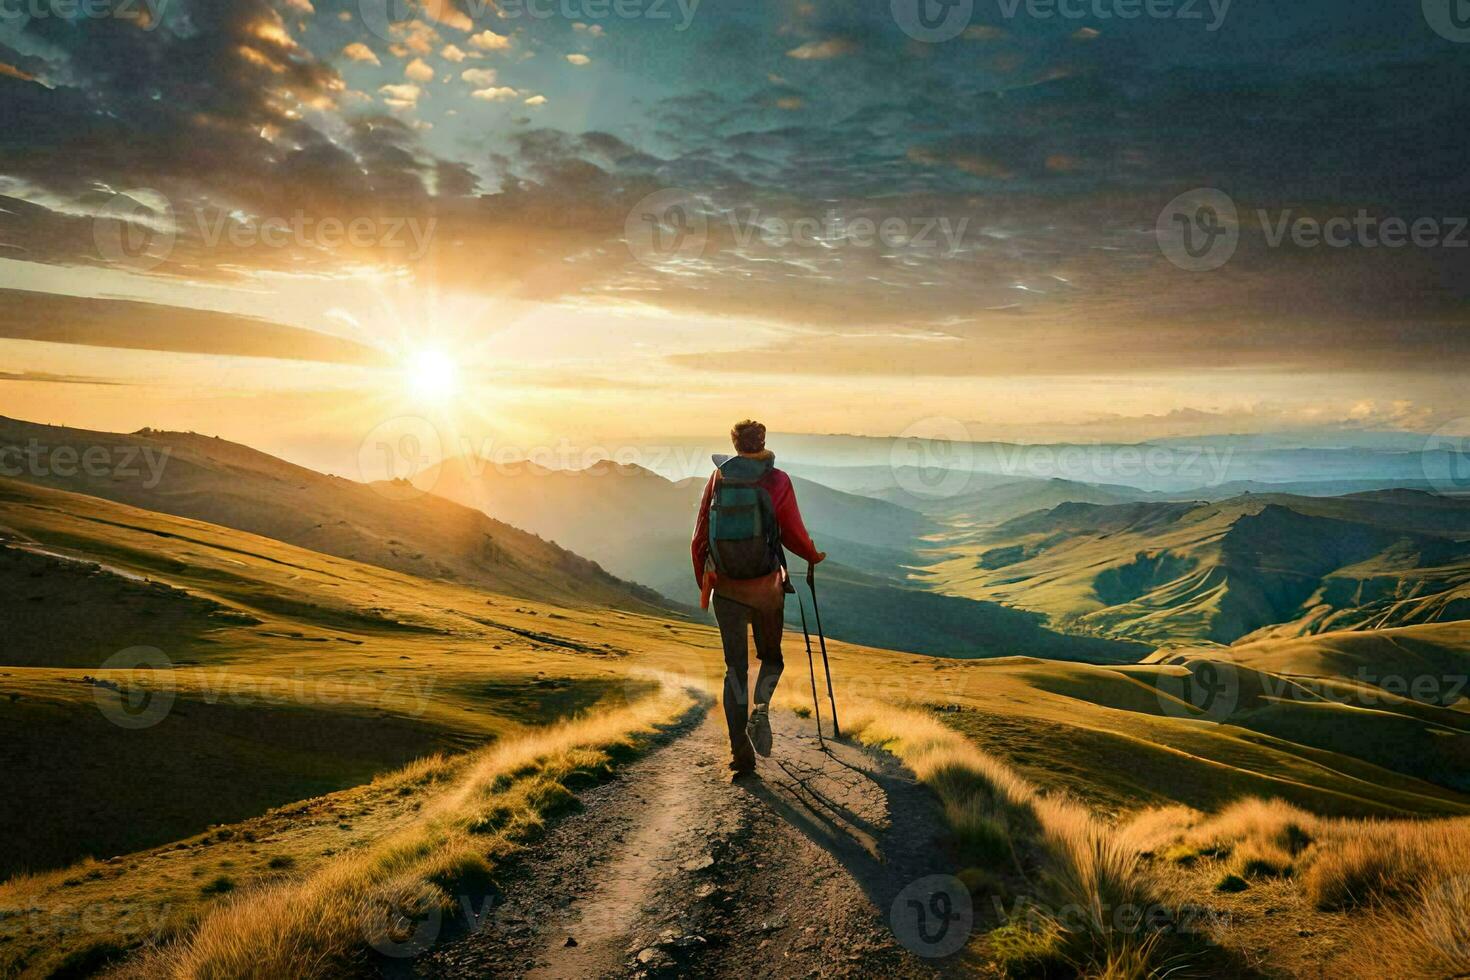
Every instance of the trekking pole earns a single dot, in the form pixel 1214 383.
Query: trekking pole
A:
pixel 812 669
pixel 811 583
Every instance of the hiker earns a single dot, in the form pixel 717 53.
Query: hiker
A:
pixel 747 514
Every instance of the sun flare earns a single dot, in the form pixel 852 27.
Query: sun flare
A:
pixel 432 375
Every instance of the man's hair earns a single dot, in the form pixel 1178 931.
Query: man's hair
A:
pixel 748 436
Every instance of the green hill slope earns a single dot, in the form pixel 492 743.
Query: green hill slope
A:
pixel 1188 572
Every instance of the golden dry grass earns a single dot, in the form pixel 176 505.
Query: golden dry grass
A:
pixel 1372 862
pixel 1098 904
pixel 1409 880
pixel 1424 938
pixel 380 898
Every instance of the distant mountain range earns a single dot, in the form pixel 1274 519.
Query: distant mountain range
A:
pixel 638 525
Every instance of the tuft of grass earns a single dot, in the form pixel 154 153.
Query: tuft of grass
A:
pixel 1426 936
pixel 1261 859
pixel 1029 949
pixel 220 885
pixel 1160 828
pixel 1273 825
pixel 1376 862
pixel 1231 883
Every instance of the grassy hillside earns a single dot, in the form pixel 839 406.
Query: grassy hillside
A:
pixel 1187 572
pixel 396 527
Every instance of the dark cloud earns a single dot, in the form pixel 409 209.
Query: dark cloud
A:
pixel 145 326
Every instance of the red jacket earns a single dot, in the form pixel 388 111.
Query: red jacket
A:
pixel 783 498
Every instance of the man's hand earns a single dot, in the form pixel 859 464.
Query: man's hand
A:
pixel 811 568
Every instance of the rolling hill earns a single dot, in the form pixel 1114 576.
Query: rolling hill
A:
pixel 1185 572
pixel 395 527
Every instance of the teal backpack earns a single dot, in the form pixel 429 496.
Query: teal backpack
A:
pixel 744 535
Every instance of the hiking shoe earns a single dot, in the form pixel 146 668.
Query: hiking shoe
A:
pixel 742 759
pixel 759 729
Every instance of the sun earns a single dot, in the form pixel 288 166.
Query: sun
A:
pixel 432 375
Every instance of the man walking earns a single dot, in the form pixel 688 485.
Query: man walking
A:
pixel 748 513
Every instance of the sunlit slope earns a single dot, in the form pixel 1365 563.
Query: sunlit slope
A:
pixel 1188 572
pixel 395 527
pixel 1390 659
pixel 292 673
pixel 1120 739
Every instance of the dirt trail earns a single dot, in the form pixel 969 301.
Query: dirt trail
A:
pixel 671 868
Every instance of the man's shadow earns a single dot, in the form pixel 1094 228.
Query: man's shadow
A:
pixel 859 805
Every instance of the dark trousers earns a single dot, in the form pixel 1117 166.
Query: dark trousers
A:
pixel 736 620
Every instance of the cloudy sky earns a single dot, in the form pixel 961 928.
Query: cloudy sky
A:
pixel 290 221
